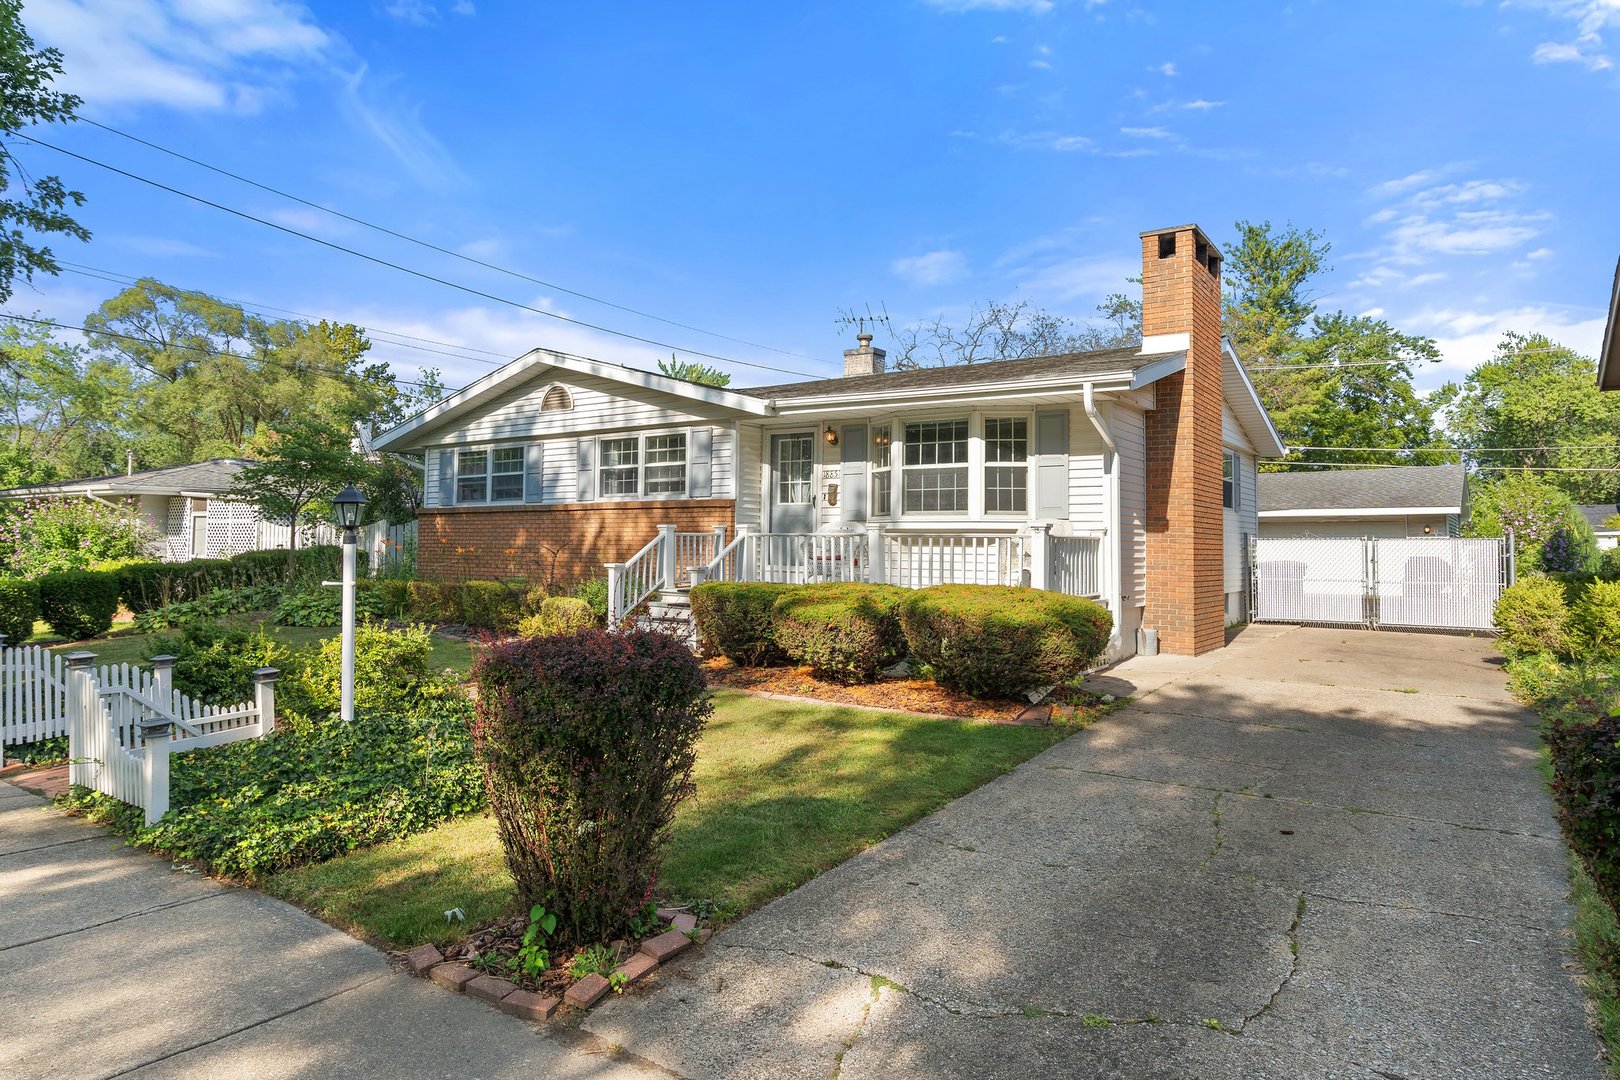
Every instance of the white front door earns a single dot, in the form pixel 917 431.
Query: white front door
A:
pixel 793 485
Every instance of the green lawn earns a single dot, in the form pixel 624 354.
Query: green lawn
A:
pixel 784 792
pixel 125 646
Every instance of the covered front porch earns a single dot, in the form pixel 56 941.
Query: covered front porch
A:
pixel 1031 556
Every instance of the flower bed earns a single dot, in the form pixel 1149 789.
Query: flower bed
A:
pixel 904 694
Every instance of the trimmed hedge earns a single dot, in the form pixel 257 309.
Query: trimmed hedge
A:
pixel 1597 618
pixel 843 632
pixel 79 604
pixel 558 615
pixel 587 742
pixel 1533 616
pixel 19 608
pixel 1586 786
pixel 736 620
pixel 1002 640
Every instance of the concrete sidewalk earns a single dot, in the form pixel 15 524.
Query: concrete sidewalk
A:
pixel 112 962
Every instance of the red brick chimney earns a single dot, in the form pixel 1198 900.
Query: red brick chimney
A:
pixel 1181 309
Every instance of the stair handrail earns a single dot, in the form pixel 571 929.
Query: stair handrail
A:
pixel 629 583
pixel 713 566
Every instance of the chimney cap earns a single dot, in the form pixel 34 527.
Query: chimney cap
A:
pixel 865 339
pixel 1181 229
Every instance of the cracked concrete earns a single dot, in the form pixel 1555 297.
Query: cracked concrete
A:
pixel 1270 865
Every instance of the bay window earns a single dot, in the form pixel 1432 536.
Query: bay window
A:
pixel 1006 466
pixel 934 470
pixel 650 465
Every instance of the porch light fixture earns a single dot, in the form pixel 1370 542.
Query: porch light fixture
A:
pixel 830 435
pixel 883 438
pixel 1428 530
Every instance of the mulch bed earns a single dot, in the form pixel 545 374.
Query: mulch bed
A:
pixel 906 694
pixel 493 949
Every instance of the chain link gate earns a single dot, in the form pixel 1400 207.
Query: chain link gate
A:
pixel 1431 583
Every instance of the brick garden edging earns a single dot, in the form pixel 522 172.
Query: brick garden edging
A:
pixel 426 961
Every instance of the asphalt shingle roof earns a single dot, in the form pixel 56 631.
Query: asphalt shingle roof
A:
pixel 1599 513
pixel 214 475
pixel 1363 489
pixel 1078 365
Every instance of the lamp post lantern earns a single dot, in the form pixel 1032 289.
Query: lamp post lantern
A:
pixel 348 503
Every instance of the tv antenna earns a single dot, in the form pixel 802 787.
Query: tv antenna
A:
pixel 862 322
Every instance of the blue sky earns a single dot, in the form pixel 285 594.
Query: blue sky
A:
pixel 750 169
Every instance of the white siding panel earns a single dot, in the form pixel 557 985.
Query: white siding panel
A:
pixel 1129 427
pixel 1244 520
pixel 1088 486
pixel 750 474
pixel 559 470
pixel 722 463
pixel 430 478
pixel 599 405
pixel 1232 433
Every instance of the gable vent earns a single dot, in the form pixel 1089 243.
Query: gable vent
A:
pixel 557 399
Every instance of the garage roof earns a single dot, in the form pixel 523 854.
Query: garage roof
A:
pixel 1436 489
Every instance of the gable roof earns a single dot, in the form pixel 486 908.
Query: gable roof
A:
pixel 1609 358
pixel 1596 514
pixel 211 477
pixel 1408 489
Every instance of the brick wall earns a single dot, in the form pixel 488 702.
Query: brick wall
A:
pixel 1181 293
pixel 565 542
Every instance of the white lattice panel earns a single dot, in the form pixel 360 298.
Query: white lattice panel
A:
pixel 177 530
pixel 233 527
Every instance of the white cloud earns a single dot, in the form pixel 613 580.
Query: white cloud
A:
pixel 1167 69
pixel 1147 132
pixel 931 268
pixel 1590 18
pixel 1467 337
pixel 1041 65
pixel 1539 253
pixel 374 107
pixel 1000 39
pixel 1426 220
pixel 1032 7
pixel 1401 185
pixel 1201 105
pixel 1083 278
pixel 206 55
pixel 419 12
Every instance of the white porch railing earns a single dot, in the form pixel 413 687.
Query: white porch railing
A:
pixel 1076 565
pixel 918 560
pixel 121 721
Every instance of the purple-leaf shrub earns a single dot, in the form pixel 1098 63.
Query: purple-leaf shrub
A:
pixel 587 742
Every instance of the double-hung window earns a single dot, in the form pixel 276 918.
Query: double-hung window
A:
pixel 644 465
pixel 1006 466
pixel 934 473
pixel 1229 480
pixel 489 475
pixel 882 471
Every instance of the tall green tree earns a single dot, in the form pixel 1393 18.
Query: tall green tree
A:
pixel 42 209
pixel 1268 301
pixel 1535 405
pixel 63 414
pixel 303 466
pixel 692 371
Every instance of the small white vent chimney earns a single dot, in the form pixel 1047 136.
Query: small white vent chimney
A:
pixel 864 360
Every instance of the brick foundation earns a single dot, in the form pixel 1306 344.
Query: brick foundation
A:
pixel 1181 293
pixel 566 542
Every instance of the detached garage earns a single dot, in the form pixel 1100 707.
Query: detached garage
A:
pixel 1408 501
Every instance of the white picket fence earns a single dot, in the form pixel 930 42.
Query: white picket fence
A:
pixel 122 723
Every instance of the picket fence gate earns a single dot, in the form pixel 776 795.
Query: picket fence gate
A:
pixel 122 723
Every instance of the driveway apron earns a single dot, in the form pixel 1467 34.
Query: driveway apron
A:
pixel 1316 853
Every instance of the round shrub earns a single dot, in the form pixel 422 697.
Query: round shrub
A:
pixel 488 605
pixel 79 604
pixel 735 619
pixel 430 601
pixel 1596 618
pixel 1001 640
pixel 214 664
pixel 587 743
pixel 558 615
pixel 19 608
pixel 390 669
pixel 1607 567
pixel 594 591
pixel 1533 616
pixel 846 632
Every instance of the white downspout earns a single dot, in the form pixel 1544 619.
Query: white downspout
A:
pixel 1112 537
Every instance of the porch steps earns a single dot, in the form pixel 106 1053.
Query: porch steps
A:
pixel 670 611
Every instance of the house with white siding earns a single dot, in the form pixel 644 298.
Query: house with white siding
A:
pixel 1127 475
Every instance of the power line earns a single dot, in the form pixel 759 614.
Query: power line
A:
pixel 437 248
pixel 423 275
pixel 1458 449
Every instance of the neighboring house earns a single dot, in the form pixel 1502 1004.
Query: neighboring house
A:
pixel 1609 358
pixel 1415 500
pixel 1597 517
pixel 1127 474
pixel 189 507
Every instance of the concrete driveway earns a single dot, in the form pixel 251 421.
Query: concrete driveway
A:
pixel 1317 853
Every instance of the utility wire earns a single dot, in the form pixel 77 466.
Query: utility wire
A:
pixel 437 248
pixel 1458 449
pixel 470 290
